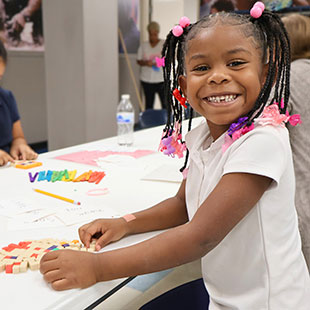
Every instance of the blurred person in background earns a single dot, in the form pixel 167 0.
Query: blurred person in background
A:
pixel 298 28
pixel 222 6
pixel 151 75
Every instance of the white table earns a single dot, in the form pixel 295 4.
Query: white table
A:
pixel 127 193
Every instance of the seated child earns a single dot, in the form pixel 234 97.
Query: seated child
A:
pixel 13 145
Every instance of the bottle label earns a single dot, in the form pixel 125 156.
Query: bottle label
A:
pixel 125 118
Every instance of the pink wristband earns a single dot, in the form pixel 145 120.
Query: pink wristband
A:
pixel 129 217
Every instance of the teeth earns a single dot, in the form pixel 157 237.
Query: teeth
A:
pixel 226 98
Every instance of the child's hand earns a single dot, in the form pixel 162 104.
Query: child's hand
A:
pixel 66 269
pixel 104 231
pixel 5 158
pixel 22 152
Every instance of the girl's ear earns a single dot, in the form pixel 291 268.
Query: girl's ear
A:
pixel 183 84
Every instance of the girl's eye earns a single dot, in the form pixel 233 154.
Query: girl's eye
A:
pixel 236 63
pixel 201 68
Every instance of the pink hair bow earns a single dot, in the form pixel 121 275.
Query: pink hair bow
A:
pixel 160 62
pixel 293 119
pixel 178 30
pixel 172 144
pixel 179 97
pixel 272 116
pixel 257 9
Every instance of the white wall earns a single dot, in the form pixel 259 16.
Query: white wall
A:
pixel 81 64
pixel 167 13
pixel 126 85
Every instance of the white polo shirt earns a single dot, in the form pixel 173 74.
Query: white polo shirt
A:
pixel 147 52
pixel 259 264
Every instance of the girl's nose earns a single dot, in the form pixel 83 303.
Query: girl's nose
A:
pixel 218 77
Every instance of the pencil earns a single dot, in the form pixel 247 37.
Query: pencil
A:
pixel 56 196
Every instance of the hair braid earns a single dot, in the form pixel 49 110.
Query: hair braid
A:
pixel 174 67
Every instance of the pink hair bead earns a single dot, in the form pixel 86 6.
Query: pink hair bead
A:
pixel 257 9
pixel 256 12
pixel 184 21
pixel 260 5
pixel 177 31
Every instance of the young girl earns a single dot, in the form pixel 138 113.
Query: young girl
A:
pixel 13 145
pixel 235 210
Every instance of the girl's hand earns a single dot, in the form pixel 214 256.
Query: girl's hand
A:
pixel 5 158
pixel 63 269
pixel 104 231
pixel 22 151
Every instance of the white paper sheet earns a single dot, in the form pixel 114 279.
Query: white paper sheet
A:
pixel 165 173
pixel 49 221
pixel 79 214
pixel 12 207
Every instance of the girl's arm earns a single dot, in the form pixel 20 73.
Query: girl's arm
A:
pixel 148 63
pixel 168 213
pixel 220 212
pixel 20 150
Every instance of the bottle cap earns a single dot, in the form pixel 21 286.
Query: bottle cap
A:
pixel 125 96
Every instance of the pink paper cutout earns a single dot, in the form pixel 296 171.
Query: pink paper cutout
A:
pixel 90 157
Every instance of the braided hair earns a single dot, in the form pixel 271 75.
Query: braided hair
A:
pixel 269 35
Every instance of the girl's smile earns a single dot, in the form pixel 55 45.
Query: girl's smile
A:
pixel 221 99
pixel 224 75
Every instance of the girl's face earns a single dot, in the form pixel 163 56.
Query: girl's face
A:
pixel 153 36
pixel 224 75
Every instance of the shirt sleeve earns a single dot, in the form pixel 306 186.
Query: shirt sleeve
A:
pixel 263 152
pixel 12 105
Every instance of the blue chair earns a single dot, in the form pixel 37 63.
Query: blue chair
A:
pixel 151 118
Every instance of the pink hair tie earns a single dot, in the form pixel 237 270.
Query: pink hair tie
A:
pixel 178 30
pixel 184 22
pixel 177 95
pixel 172 144
pixel 257 9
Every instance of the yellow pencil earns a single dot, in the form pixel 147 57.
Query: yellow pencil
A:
pixel 56 196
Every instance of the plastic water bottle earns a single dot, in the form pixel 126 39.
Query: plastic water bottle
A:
pixel 125 121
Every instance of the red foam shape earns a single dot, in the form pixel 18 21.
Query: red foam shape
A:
pixel 9 268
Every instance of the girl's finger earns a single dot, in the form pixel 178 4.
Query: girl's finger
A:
pixel 94 230
pixel 52 276
pixel 62 284
pixel 47 266
pixel 103 240
pixel 50 256
pixel 82 231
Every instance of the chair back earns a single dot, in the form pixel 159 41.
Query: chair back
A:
pixel 151 118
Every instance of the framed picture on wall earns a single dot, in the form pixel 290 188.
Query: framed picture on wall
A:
pixel 21 25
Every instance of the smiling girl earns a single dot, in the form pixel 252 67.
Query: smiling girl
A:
pixel 235 209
